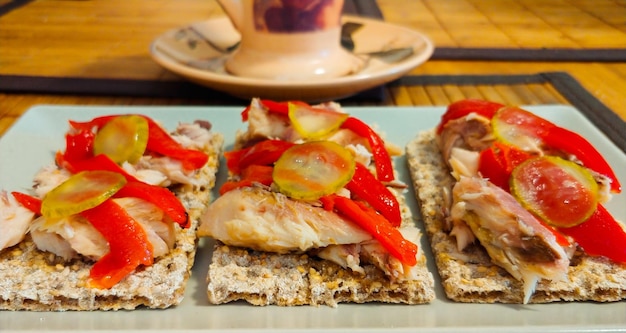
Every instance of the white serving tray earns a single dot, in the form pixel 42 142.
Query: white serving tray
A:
pixel 34 138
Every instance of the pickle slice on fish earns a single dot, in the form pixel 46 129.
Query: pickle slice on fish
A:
pixel 314 123
pixel 520 128
pixel 80 192
pixel 561 192
pixel 311 170
pixel 122 139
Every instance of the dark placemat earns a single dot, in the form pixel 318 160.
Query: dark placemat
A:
pixel 11 5
pixel 136 88
pixel 105 87
pixel 600 115
pixel 544 54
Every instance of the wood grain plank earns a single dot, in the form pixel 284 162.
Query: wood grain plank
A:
pixel 509 95
pixel 524 27
pixel 514 23
pixel 491 93
pixel 453 92
pixel 420 96
pixel 400 95
pixel 581 26
pixel 437 95
pixel 525 94
pixel 611 12
pixel 471 92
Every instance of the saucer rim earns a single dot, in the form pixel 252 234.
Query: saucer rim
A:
pixel 210 78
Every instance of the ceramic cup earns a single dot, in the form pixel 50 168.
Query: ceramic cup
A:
pixel 289 39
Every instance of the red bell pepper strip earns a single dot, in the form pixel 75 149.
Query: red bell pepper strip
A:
pixel 161 142
pixel 78 146
pixel 263 153
pixel 271 106
pixel 366 187
pixel 550 134
pixel 497 162
pixel 93 124
pixel 600 235
pixel 388 236
pixel 160 197
pixel 382 160
pixel 232 159
pixel 261 174
pixel 28 201
pixel 560 139
pixel 328 202
pixel 128 244
pixel 281 108
pixel 572 143
pixel 276 107
pixel 464 107
pixel 245 114
pixel 98 162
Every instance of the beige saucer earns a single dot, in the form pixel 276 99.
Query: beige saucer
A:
pixel 197 52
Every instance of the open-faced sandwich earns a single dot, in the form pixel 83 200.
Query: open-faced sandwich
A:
pixel 312 213
pixel 111 224
pixel 513 208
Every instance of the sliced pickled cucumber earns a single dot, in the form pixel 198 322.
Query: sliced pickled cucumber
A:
pixel 519 128
pixel 80 192
pixel 122 139
pixel 561 192
pixel 314 123
pixel 311 170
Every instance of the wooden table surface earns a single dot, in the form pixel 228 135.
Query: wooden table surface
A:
pixel 109 39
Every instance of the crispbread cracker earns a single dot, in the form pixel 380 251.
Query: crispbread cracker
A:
pixel 263 278
pixel 469 276
pixel 34 280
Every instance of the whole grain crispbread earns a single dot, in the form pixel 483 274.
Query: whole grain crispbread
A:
pixel 31 279
pixel 469 275
pixel 263 278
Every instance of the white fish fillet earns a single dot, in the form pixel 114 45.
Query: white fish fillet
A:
pixel 352 255
pixel 161 233
pixel 14 220
pixel 514 238
pixel 68 237
pixel 48 178
pixel 255 218
pixel 77 234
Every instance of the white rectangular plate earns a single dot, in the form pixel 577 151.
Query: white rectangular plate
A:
pixel 33 140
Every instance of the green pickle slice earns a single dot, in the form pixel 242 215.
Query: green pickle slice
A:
pixel 561 192
pixel 122 139
pixel 81 192
pixel 311 170
pixel 314 123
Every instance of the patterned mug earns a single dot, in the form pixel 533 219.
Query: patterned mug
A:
pixel 289 40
